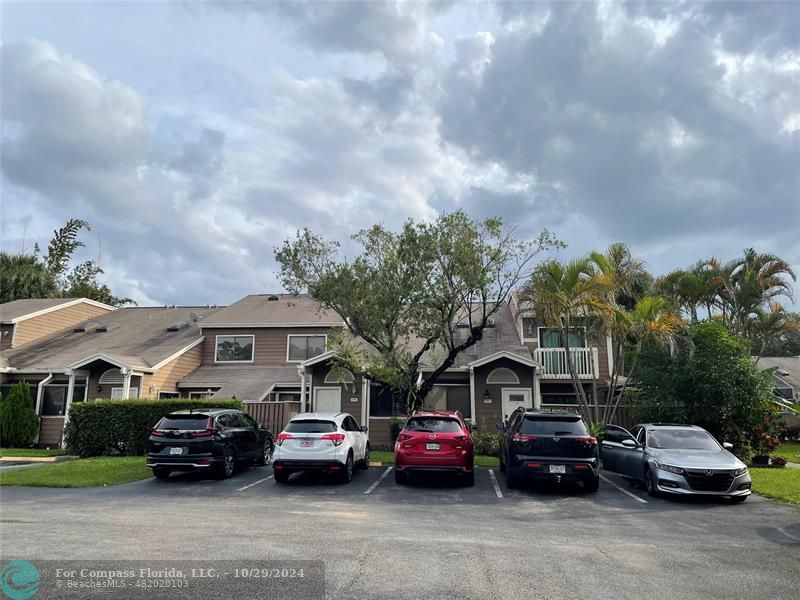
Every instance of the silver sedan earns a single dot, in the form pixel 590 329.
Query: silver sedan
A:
pixel 675 459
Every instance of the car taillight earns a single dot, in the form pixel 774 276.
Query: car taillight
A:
pixel 589 440
pixel 521 437
pixel 336 438
pixel 205 432
pixel 281 437
pixel 403 437
pixel 157 433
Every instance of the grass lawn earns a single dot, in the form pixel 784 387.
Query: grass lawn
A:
pixel 87 472
pixel 789 451
pixel 31 452
pixel 781 484
pixel 387 458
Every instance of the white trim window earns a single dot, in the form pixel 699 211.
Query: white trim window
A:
pixel 337 378
pixel 111 377
pixel 207 394
pixel 168 395
pixel 301 347
pixel 234 348
pixel 116 393
pixel 502 375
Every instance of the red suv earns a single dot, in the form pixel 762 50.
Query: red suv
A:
pixel 435 441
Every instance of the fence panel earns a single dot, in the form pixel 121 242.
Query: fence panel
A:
pixel 272 415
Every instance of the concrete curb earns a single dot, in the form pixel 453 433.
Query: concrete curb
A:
pixel 36 459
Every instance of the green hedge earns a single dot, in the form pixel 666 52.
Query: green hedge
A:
pixel 486 444
pixel 18 420
pixel 111 427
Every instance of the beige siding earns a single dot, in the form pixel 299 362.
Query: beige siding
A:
pixel 166 378
pixel 6 336
pixel 270 342
pixel 38 327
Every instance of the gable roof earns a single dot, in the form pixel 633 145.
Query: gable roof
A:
pixel 284 310
pixel 787 368
pixel 136 337
pixel 20 310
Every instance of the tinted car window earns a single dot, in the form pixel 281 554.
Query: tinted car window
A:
pixel 311 426
pixel 681 439
pixel 552 426
pixel 436 424
pixel 189 422
pixel 225 420
pixel 616 434
pixel 248 421
pixel 351 424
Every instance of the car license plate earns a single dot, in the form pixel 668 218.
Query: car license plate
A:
pixel 557 469
pixel 176 450
pixel 306 443
pixel 432 446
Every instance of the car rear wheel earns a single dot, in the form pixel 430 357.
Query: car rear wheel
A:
pixel 281 476
pixel 591 485
pixel 161 473
pixel 266 454
pixel 650 484
pixel 468 478
pixel 399 477
pixel 347 472
pixel 226 469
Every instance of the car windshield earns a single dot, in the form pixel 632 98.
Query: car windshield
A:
pixel 186 423
pixel 681 439
pixel 310 426
pixel 436 424
pixel 552 426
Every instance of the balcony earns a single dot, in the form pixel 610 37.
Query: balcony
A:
pixel 554 362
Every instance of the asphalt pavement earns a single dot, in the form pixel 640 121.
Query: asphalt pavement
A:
pixel 431 539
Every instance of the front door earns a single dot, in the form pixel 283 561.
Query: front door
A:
pixel 328 399
pixel 513 398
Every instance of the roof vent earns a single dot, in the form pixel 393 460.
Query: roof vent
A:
pixel 107 327
pixel 177 326
pixel 490 322
pixel 273 298
pixel 84 328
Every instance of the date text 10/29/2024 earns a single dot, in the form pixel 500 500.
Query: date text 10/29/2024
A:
pixel 241 579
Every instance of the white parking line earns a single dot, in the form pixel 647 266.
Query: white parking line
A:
pixel 624 491
pixel 249 485
pixel 494 483
pixel 377 483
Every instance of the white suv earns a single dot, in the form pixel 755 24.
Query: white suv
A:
pixel 323 441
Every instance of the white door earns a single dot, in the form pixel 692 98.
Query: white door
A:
pixel 328 399
pixel 513 398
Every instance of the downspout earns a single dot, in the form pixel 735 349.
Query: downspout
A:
pixel 301 370
pixel 39 394
pixel 472 395
pixel 70 395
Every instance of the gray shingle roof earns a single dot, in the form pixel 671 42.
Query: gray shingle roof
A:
pixel 788 368
pixel 249 382
pixel 140 340
pixel 258 310
pixel 11 311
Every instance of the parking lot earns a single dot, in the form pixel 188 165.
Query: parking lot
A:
pixel 431 539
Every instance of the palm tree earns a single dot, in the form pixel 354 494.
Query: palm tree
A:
pixel 22 276
pixel 768 325
pixel 562 294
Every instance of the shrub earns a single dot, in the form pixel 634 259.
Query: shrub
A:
pixel 18 421
pixel 486 444
pixel 107 427
pixel 714 384
pixel 778 461
pixel 395 425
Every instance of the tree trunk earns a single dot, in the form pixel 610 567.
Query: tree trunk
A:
pixel 627 379
pixel 583 402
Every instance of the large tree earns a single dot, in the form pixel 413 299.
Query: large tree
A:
pixel 35 275
pixel 406 293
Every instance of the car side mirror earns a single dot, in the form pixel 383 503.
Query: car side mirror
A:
pixel 629 443
pixel 364 428
pixel 501 425
pixel 727 445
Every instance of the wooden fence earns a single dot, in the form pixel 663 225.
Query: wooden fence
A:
pixel 623 417
pixel 272 415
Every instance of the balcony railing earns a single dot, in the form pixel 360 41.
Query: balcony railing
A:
pixel 554 362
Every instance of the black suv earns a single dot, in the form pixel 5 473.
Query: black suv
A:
pixel 554 446
pixel 215 440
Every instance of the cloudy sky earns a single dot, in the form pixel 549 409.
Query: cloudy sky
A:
pixel 196 136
